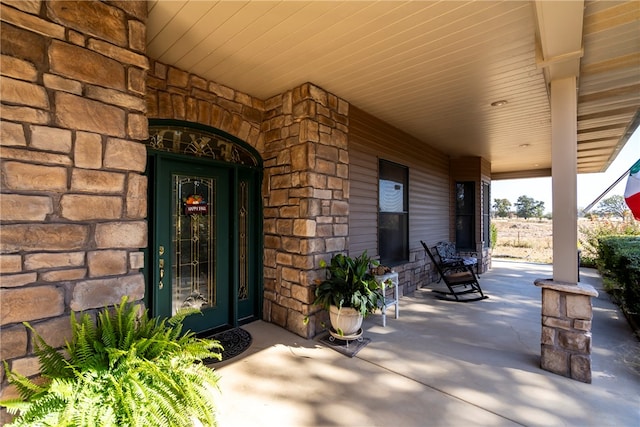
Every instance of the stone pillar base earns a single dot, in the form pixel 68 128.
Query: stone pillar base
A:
pixel 566 328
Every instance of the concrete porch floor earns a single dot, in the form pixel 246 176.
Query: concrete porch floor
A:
pixel 440 364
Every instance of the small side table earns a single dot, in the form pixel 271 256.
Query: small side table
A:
pixel 388 301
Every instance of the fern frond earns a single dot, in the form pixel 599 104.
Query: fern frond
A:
pixel 13 406
pixel 142 345
pixel 181 314
pixel 163 406
pixel 84 326
pixel 86 351
pixel 41 411
pixel 115 356
pixel 26 388
pixel 107 330
pixel 52 363
pixel 81 350
pixel 200 349
pixel 129 316
pixel 194 382
pixel 162 343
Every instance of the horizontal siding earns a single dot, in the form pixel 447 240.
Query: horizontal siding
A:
pixel 429 207
pixel 370 139
pixel 363 203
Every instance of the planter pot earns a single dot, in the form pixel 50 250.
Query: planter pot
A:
pixel 346 320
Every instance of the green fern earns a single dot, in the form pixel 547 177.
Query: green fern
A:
pixel 124 369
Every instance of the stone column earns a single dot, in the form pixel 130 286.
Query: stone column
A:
pixel 566 329
pixel 306 200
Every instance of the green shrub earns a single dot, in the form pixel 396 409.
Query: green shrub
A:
pixel 124 369
pixel 620 255
pixel 493 230
pixel 596 229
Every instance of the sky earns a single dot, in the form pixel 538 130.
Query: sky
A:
pixel 590 186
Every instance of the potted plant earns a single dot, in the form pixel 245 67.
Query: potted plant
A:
pixel 123 369
pixel 349 292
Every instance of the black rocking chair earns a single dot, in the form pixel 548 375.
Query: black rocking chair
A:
pixel 459 278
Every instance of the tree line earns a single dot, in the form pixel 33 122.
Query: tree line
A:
pixel 527 207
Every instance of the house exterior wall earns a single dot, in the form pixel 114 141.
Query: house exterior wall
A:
pixel 77 93
pixel 73 203
pixel 371 139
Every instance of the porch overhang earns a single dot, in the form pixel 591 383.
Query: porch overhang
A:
pixel 432 69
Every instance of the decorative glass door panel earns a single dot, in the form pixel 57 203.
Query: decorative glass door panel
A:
pixel 193 262
pixel 249 254
pixel 191 265
pixel 243 245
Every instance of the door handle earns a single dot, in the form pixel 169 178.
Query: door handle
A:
pixel 161 266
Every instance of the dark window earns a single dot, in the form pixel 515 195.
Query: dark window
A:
pixel 393 213
pixel 486 214
pixel 465 215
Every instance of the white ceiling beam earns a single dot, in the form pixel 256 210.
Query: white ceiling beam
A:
pixel 559 37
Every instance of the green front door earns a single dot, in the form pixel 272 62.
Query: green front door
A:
pixel 205 226
pixel 192 241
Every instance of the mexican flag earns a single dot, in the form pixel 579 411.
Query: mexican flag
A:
pixel 632 191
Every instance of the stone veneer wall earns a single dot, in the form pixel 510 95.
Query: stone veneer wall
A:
pixel 302 138
pixel 176 94
pixel 306 200
pixel 73 202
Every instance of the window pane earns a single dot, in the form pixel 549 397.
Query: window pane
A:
pixel 391 196
pixel 393 238
pixel 393 217
pixel 465 215
pixel 464 232
pixel 465 199
pixel 486 217
pixel 392 171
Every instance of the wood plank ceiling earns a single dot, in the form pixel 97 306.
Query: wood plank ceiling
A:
pixel 430 68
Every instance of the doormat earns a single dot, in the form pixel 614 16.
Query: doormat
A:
pixel 234 341
pixel 348 348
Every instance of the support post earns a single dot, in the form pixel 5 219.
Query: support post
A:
pixel 567 313
pixel 564 170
